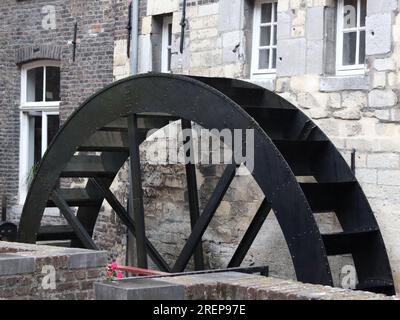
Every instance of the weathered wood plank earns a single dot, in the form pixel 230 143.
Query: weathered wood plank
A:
pixel 90 166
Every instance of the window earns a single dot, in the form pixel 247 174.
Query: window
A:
pixel 40 101
pixel 166 48
pixel 350 51
pixel 264 37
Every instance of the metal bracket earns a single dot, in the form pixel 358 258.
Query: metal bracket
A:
pixel 4 208
pixel 74 41
pixel 353 161
pixel 129 28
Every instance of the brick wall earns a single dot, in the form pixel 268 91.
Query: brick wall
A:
pixel 22 38
pixel 23 268
pixel 234 286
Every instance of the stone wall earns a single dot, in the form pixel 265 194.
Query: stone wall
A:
pixel 357 112
pixel 166 205
pixel 26 272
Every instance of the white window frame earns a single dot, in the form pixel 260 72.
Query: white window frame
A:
pixel 165 46
pixel 255 71
pixel 27 109
pixel 358 68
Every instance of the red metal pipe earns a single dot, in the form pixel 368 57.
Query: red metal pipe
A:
pixel 140 271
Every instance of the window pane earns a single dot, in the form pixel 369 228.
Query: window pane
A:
pixel 273 59
pixel 169 59
pixel 34 90
pixel 274 40
pixel 169 34
pixel 350 14
pixel 363 12
pixel 265 36
pixel 53 124
pixel 37 151
pixel 349 48
pixel 275 4
pixel 52 84
pixel 263 62
pixel 362 48
pixel 266 12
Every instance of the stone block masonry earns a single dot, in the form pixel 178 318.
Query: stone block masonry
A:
pixel 37 272
pixel 357 111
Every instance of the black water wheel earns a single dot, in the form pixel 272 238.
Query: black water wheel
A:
pixel 287 144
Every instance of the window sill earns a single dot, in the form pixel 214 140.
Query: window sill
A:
pixel 263 75
pixel 344 82
pixel 37 106
pixel 267 81
pixel 351 72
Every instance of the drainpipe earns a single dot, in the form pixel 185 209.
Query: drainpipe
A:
pixel 130 239
pixel 183 26
pixel 4 208
pixel 134 37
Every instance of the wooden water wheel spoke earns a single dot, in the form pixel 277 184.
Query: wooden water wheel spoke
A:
pixel 136 191
pixel 128 221
pixel 250 234
pixel 69 215
pixel 193 194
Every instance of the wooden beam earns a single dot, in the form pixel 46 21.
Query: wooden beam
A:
pixel 90 166
pixel 192 191
pixel 250 234
pixel 136 206
pixel 73 221
pixel 77 197
pixel 128 221
pixel 112 141
pixel 61 232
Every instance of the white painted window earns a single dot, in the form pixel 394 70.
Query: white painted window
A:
pixel 264 38
pixel 40 102
pixel 166 48
pixel 350 50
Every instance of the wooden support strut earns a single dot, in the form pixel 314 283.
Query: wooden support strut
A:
pixel 136 207
pixel 250 235
pixel 73 221
pixel 192 191
pixel 128 221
